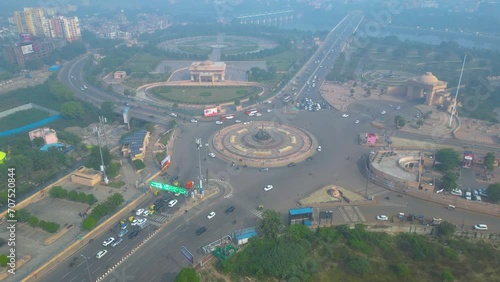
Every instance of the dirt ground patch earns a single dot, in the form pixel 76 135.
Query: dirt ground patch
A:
pixel 322 196
pixel 112 134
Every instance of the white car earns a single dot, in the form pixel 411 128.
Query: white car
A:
pixel 172 203
pixel 345 115
pixel 382 217
pixel 269 110
pixel 212 155
pixel 482 227
pixel 173 114
pixel 139 211
pixel 219 122
pixel 134 222
pixel 383 112
pixel 141 221
pixel 108 241
pixel 268 187
pixel 398 108
pixel 117 242
pixel 145 213
pixel 100 254
pixel 456 192
pixel 258 114
pixel 237 121
pixel 356 121
pixel 211 215
pixel 85 86
pixel 319 149
pixel 194 120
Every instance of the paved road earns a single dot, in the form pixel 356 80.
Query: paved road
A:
pixel 161 258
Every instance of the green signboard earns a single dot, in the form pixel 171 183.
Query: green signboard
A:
pixel 169 188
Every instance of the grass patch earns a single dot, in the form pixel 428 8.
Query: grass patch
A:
pixel 116 184
pixel 142 62
pixel 285 60
pixel 164 139
pixel 22 118
pixel 204 95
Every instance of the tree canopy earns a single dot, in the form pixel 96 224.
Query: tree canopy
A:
pixel 399 121
pixel 493 191
pixel 448 158
pixel 73 110
pixel 271 224
pixel 187 274
pixel 489 161
pixel 449 181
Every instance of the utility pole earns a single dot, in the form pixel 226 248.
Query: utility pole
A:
pixel 200 177
pixel 102 121
pixel 103 168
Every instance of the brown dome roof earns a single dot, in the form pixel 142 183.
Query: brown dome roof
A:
pixel 428 78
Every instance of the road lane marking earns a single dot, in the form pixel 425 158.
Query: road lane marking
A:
pixel 110 258
pixel 96 269
pixel 65 275
pixel 72 279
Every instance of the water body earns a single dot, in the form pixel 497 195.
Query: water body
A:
pixel 467 40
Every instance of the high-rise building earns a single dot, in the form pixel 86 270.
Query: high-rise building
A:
pixel 30 20
pixel 71 29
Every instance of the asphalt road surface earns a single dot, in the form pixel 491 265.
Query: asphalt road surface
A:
pixel 160 259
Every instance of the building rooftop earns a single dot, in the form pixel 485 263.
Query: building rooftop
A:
pixel 392 162
pixel 300 211
pixel 135 141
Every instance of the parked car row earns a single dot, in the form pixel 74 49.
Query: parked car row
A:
pixel 470 194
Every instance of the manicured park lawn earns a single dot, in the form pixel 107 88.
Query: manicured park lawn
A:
pixel 204 95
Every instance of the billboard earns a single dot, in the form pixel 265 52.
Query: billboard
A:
pixel 27 49
pixel 187 254
pixel 26 37
pixel 165 163
pixel 210 112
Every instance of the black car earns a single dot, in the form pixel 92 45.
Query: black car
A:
pixel 309 159
pixel 201 230
pixel 133 234
pixel 230 209
pixel 158 206
pixel 291 164
pixel 157 202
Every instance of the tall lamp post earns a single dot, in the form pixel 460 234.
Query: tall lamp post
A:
pixel 200 177
pixel 88 269
pixel 103 168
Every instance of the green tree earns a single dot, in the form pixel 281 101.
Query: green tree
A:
pixel 447 276
pixel 489 161
pixel 23 215
pixel 297 232
pixel 38 142
pixel 73 195
pixel 399 121
pixel 187 274
pixel 89 223
pixel 138 164
pixel 420 122
pixel 73 110
pixel 402 269
pixel 449 181
pixel 91 199
pixel 113 169
pixel 352 91
pixel 108 110
pixel 493 191
pixel 33 221
pixel 58 192
pixel 446 229
pixel 95 158
pixel 448 158
pixel 150 127
pixel 357 265
pixel 237 102
pixel 271 224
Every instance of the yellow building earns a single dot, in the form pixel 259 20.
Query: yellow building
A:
pixel 429 87
pixel 207 71
pixel 87 177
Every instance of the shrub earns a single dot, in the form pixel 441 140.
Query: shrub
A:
pixel 42 224
pixel 91 199
pixel 89 223
pixel 23 215
pixel 138 164
pixel 33 221
pixel 73 196
pixel 357 265
pixel 58 192
pixel 51 227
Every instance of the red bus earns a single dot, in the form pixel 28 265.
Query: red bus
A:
pixel 251 111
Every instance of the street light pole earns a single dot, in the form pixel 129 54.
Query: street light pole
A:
pixel 200 177
pixel 88 269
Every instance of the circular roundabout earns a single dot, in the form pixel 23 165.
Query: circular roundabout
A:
pixel 204 45
pixel 387 77
pixel 263 144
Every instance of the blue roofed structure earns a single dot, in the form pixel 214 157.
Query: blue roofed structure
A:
pixel 134 145
pixel 241 236
pixel 301 211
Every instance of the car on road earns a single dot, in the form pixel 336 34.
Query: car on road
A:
pixel 482 227
pixel 124 226
pixel 122 233
pixel 219 122
pixel 141 221
pixel 145 213
pixel 133 234
pixel 172 203
pixel 212 155
pixel 291 164
pixel 268 187
pixel 398 108
pixel 269 110
pixel 356 121
pixel 237 121
pixel 85 86
pixel 134 222
pixel 309 159
pixel 345 115
pixel 319 149
pixel 383 112
pixel 211 215
pixel 382 217
pixel 263 169
pixel 139 211
pixel 201 230
pixel 117 242
pixel 230 210
pixel 101 253
pixel 108 241
pixel 258 114
pixel 173 115
pixel 194 120
pixel 82 89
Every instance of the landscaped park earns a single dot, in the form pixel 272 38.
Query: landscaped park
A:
pixel 204 95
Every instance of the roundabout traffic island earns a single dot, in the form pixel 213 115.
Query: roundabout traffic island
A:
pixel 263 144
